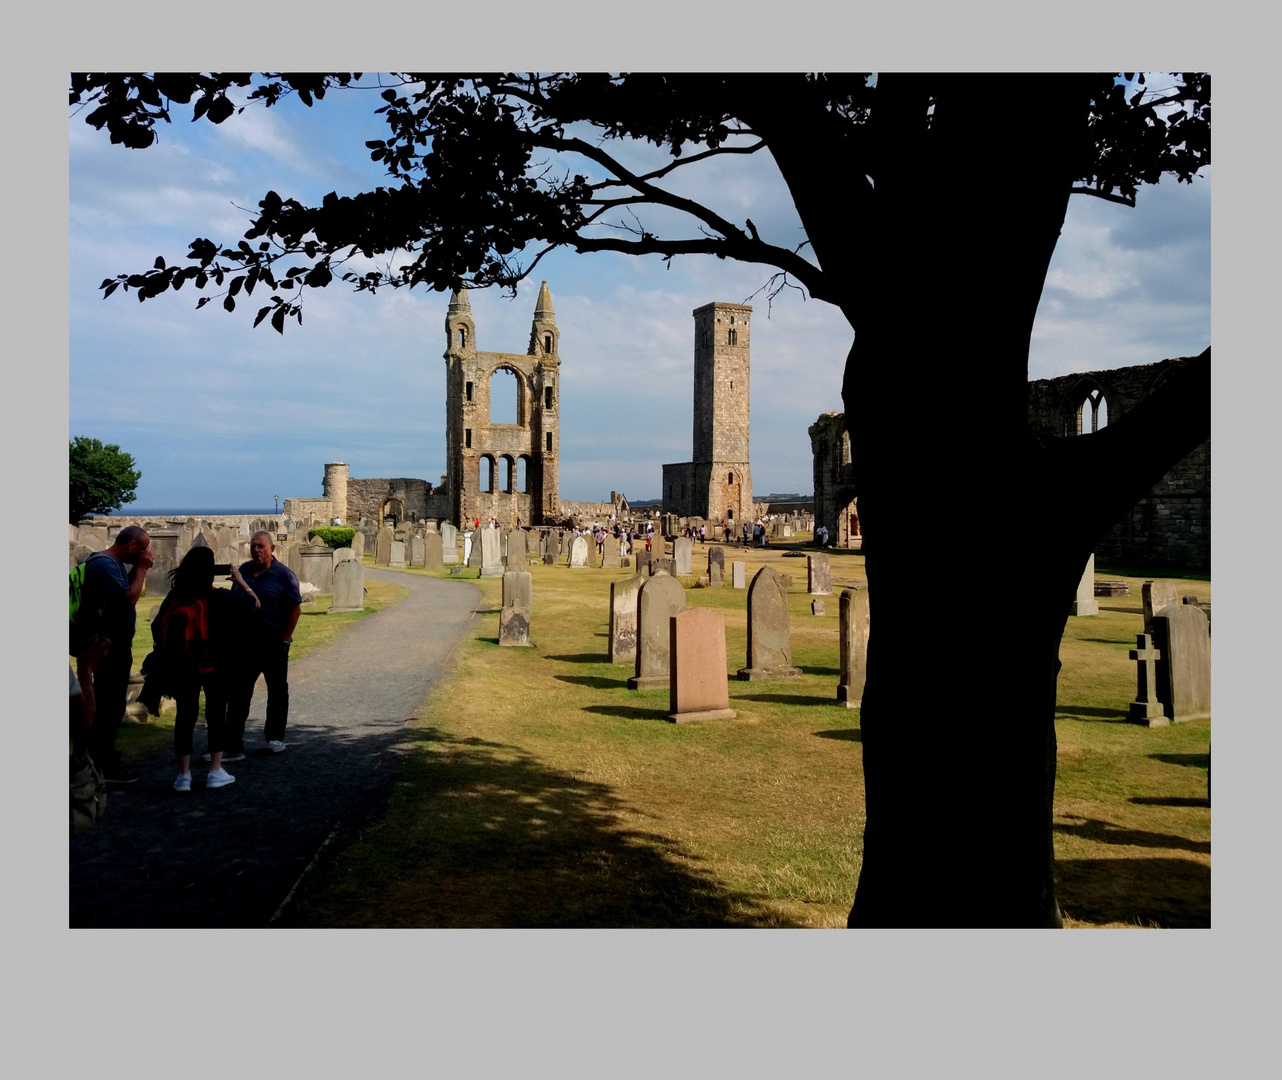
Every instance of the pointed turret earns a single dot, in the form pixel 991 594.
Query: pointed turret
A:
pixel 459 302
pixel 544 335
pixel 460 330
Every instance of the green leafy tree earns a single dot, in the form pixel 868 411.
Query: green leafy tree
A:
pixel 103 477
pixel 931 205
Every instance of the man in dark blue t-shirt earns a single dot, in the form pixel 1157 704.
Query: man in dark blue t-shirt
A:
pixel 265 649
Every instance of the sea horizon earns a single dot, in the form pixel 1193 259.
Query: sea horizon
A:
pixel 147 511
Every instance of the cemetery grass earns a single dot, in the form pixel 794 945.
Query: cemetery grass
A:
pixel 316 627
pixel 542 792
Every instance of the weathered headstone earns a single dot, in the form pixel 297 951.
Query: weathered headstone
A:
pixel 610 553
pixel 739 574
pixel 383 547
pixel 1184 668
pixel 518 589
pixel 623 619
pixel 449 543
pixel 514 626
pixel 1146 708
pixel 164 552
pixel 358 543
pixel 682 557
pixel 818 575
pixel 491 557
pixel 661 597
pixel 1157 594
pixel 1085 603
pixel 853 627
pixel 714 575
pixel 434 552
pixel 578 552
pixel 643 562
pixel 697 686
pixel 817 607
pixel 317 566
pixel 396 554
pixel 472 549
pixel 518 555
pixel 349 584
pixel 717 558
pixel 769 635
pixel 416 551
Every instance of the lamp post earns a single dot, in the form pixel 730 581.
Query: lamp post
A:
pixel 277 498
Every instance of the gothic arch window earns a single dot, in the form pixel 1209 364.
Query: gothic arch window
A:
pixel 547 344
pixel 506 474
pixel 845 447
pixel 1090 413
pixel 732 337
pixel 462 337
pixel 485 474
pixel 506 397
pixel 523 474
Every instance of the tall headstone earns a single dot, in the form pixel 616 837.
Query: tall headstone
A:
pixel 449 543
pixel 358 543
pixel 1085 603
pixel 491 556
pixel 623 619
pixel 349 584
pixel 518 589
pixel 383 546
pixel 643 562
pixel 739 573
pixel 818 575
pixel 164 552
pixel 769 635
pixel 853 620
pixel 717 558
pixel 317 562
pixel 610 553
pixel 417 551
pixel 683 556
pixel 1146 708
pixel 434 552
pixel 697 685
pixel 1184 669
pixel 661 597
pixel 1157 594
pixel 518 555
pixel 578 552
pixel 472 549
pixel 514 617
pixel 396 554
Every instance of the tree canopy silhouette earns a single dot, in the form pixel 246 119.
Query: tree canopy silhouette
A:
pixel 931 205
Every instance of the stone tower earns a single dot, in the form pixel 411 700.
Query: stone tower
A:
pixel 334 488
pixel 503 471
pixel 717 484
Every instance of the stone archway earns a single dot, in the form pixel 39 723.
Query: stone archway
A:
pixel 393 510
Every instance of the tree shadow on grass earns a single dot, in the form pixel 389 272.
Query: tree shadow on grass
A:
pixel 1147 800
pixel 582 658
pixel 788 699
pixel 1089 714
pixel 630 712
pixel 1127 641
pixel 597 682
pixel 831 671
pixel 1106 832
pixel 1145 892
pixel 847 734
pixel 481 835
pixel 1193 761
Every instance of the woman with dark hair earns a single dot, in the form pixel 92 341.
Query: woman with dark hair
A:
pixel 194 630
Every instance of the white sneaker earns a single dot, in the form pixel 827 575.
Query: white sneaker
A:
pixel 183 783
pixel 219 778
pixel 276 746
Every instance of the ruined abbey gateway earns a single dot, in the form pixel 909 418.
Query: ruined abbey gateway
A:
pixel 503 471
pixel 717 484
pixel 1170 527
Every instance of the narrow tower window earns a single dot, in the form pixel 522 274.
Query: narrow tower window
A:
pixel 467 438
pixel 732 337
pixel 547 344
pixel 469 391
pixel 547 397
pixel 549 440
pixel 462 337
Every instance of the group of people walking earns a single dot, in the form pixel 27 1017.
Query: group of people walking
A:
pixel 208 639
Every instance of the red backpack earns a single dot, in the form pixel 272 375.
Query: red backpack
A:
pixel 182 635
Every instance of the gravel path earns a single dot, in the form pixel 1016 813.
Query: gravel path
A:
pixel 231 857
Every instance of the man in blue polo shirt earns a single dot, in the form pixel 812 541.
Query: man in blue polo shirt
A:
pixel 265 650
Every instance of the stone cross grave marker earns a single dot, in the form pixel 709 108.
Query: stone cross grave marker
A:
pixel 1146 709
pixel 1184 668
pixel 769 635
pixel 697 686
pixel 623 619
pixel 661 597
pixel 853 623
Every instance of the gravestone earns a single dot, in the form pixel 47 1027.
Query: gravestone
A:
pixel 610 554
pixel 472 548
pixel 317 566
pixel 643 562
pixel 434 552
pixel 517 589
pixel 1084 603
pixel 682 557
pixel 358 543
pixel 396 556
pixel 1184 668
pixel 697 686
pixel 491 559
pixel 164 552
pixel 514 626
pixel 431 525
pixel 739 574
pixel 343 554
pixel 578 553
pixel 817 607
pixel 769 636
pixel 714 574
pixel 1146 708
pixel 717 558
pixel 349 584
pixel 1157 594
pixel 818 575
pixel 623 619
pixel 665 565
pixel 417 551
pixel 449 543
pixel 383 547
pixel 660 598
pixel 518 555
pixel 853 627
pixel 549 559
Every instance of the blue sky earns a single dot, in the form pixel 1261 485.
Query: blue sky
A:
pixel 218 414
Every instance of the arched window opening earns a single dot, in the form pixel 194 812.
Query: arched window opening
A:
pixel 505 392
pixel 845 447
pixel 468 391
pixel 547 397
pixel 523 474
pixel 730 478
pixel 462 337
pixel 505 473
pixel 467 438
pixel 485 481
pixel 1092 414
pixel 547 344
pixel 732 337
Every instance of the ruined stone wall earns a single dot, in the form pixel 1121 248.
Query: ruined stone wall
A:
pixel 834 484
pixel 402 498
pixel 1171 526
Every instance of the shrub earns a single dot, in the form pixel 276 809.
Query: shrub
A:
pixel 335 536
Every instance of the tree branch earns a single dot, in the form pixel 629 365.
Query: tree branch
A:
pixel 1125 200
